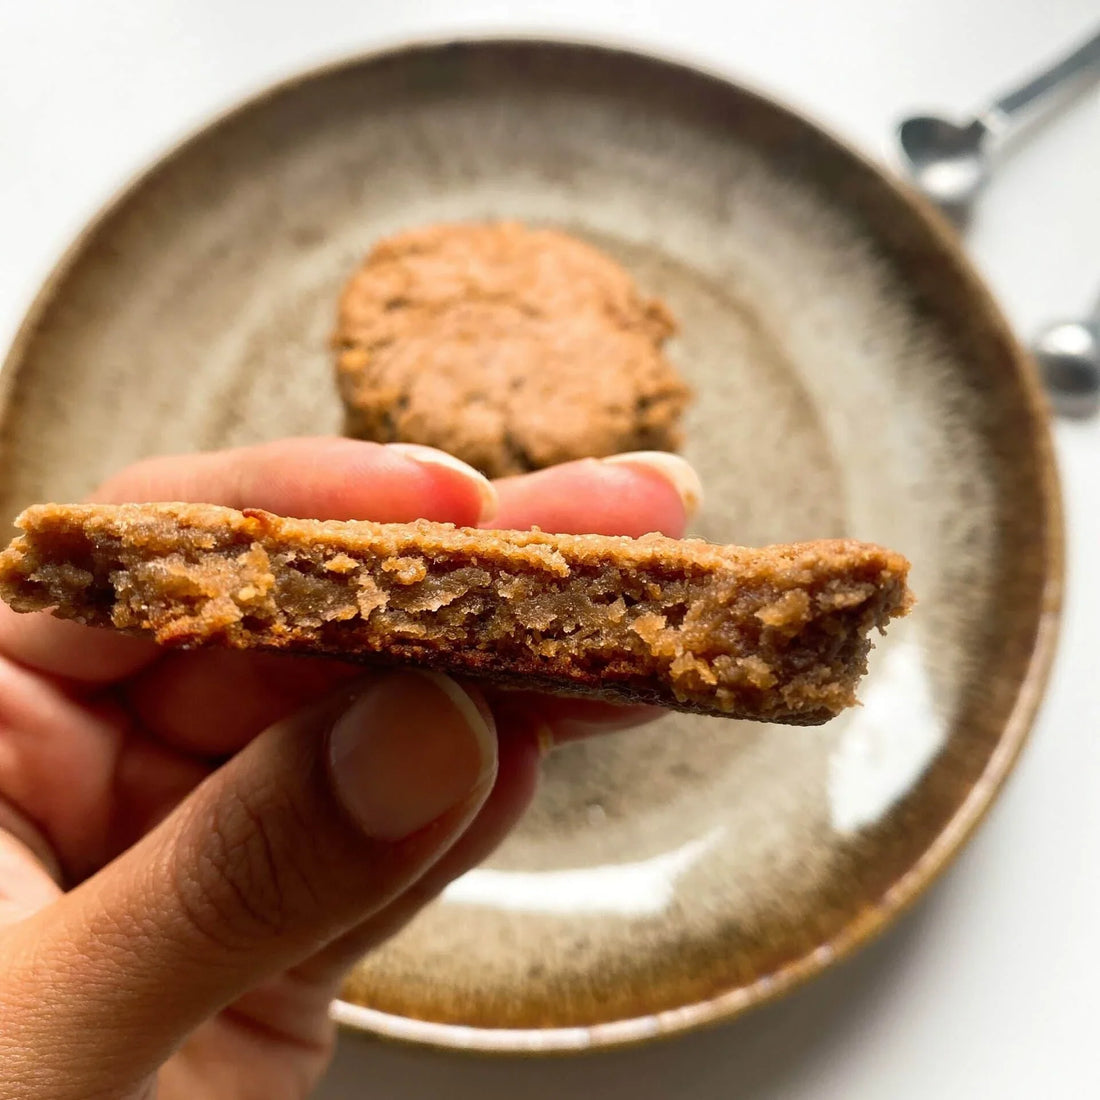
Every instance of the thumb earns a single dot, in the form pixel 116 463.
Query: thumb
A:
pixel 315 825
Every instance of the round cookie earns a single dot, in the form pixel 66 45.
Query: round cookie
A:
pixel 511 348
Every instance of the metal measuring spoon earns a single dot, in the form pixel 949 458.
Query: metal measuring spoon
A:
pixel 1068 353
pixel 951 162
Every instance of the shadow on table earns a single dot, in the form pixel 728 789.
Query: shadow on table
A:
pixel 763 1055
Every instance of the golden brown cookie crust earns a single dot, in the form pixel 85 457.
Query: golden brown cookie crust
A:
pixel 511 348
pixel 777 634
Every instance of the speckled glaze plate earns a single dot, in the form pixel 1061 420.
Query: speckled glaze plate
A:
pixel 854 378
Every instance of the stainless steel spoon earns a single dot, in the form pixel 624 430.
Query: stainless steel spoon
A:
pixel 951 162
pixel 1068 353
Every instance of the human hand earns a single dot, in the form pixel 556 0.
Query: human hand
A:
pixel 194 847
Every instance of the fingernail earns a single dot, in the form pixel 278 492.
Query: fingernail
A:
pixel 410 748
pixel 430 456
pixel 677 471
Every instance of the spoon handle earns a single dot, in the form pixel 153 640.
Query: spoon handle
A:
pixel 1073 72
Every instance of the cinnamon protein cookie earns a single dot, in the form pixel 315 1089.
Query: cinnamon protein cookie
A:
pixel 779 634
pixel 511 348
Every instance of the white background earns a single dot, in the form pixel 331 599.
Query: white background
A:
pixel 990 987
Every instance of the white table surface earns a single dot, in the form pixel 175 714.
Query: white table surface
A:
pixel 990 987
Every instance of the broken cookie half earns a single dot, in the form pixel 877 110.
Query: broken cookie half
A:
pixel 779 634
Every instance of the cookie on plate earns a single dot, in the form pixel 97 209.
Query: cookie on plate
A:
pixel 511 348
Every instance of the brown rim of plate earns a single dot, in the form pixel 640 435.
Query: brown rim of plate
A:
pixel 944 246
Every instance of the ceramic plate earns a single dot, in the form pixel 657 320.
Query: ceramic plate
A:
pixel 853 378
